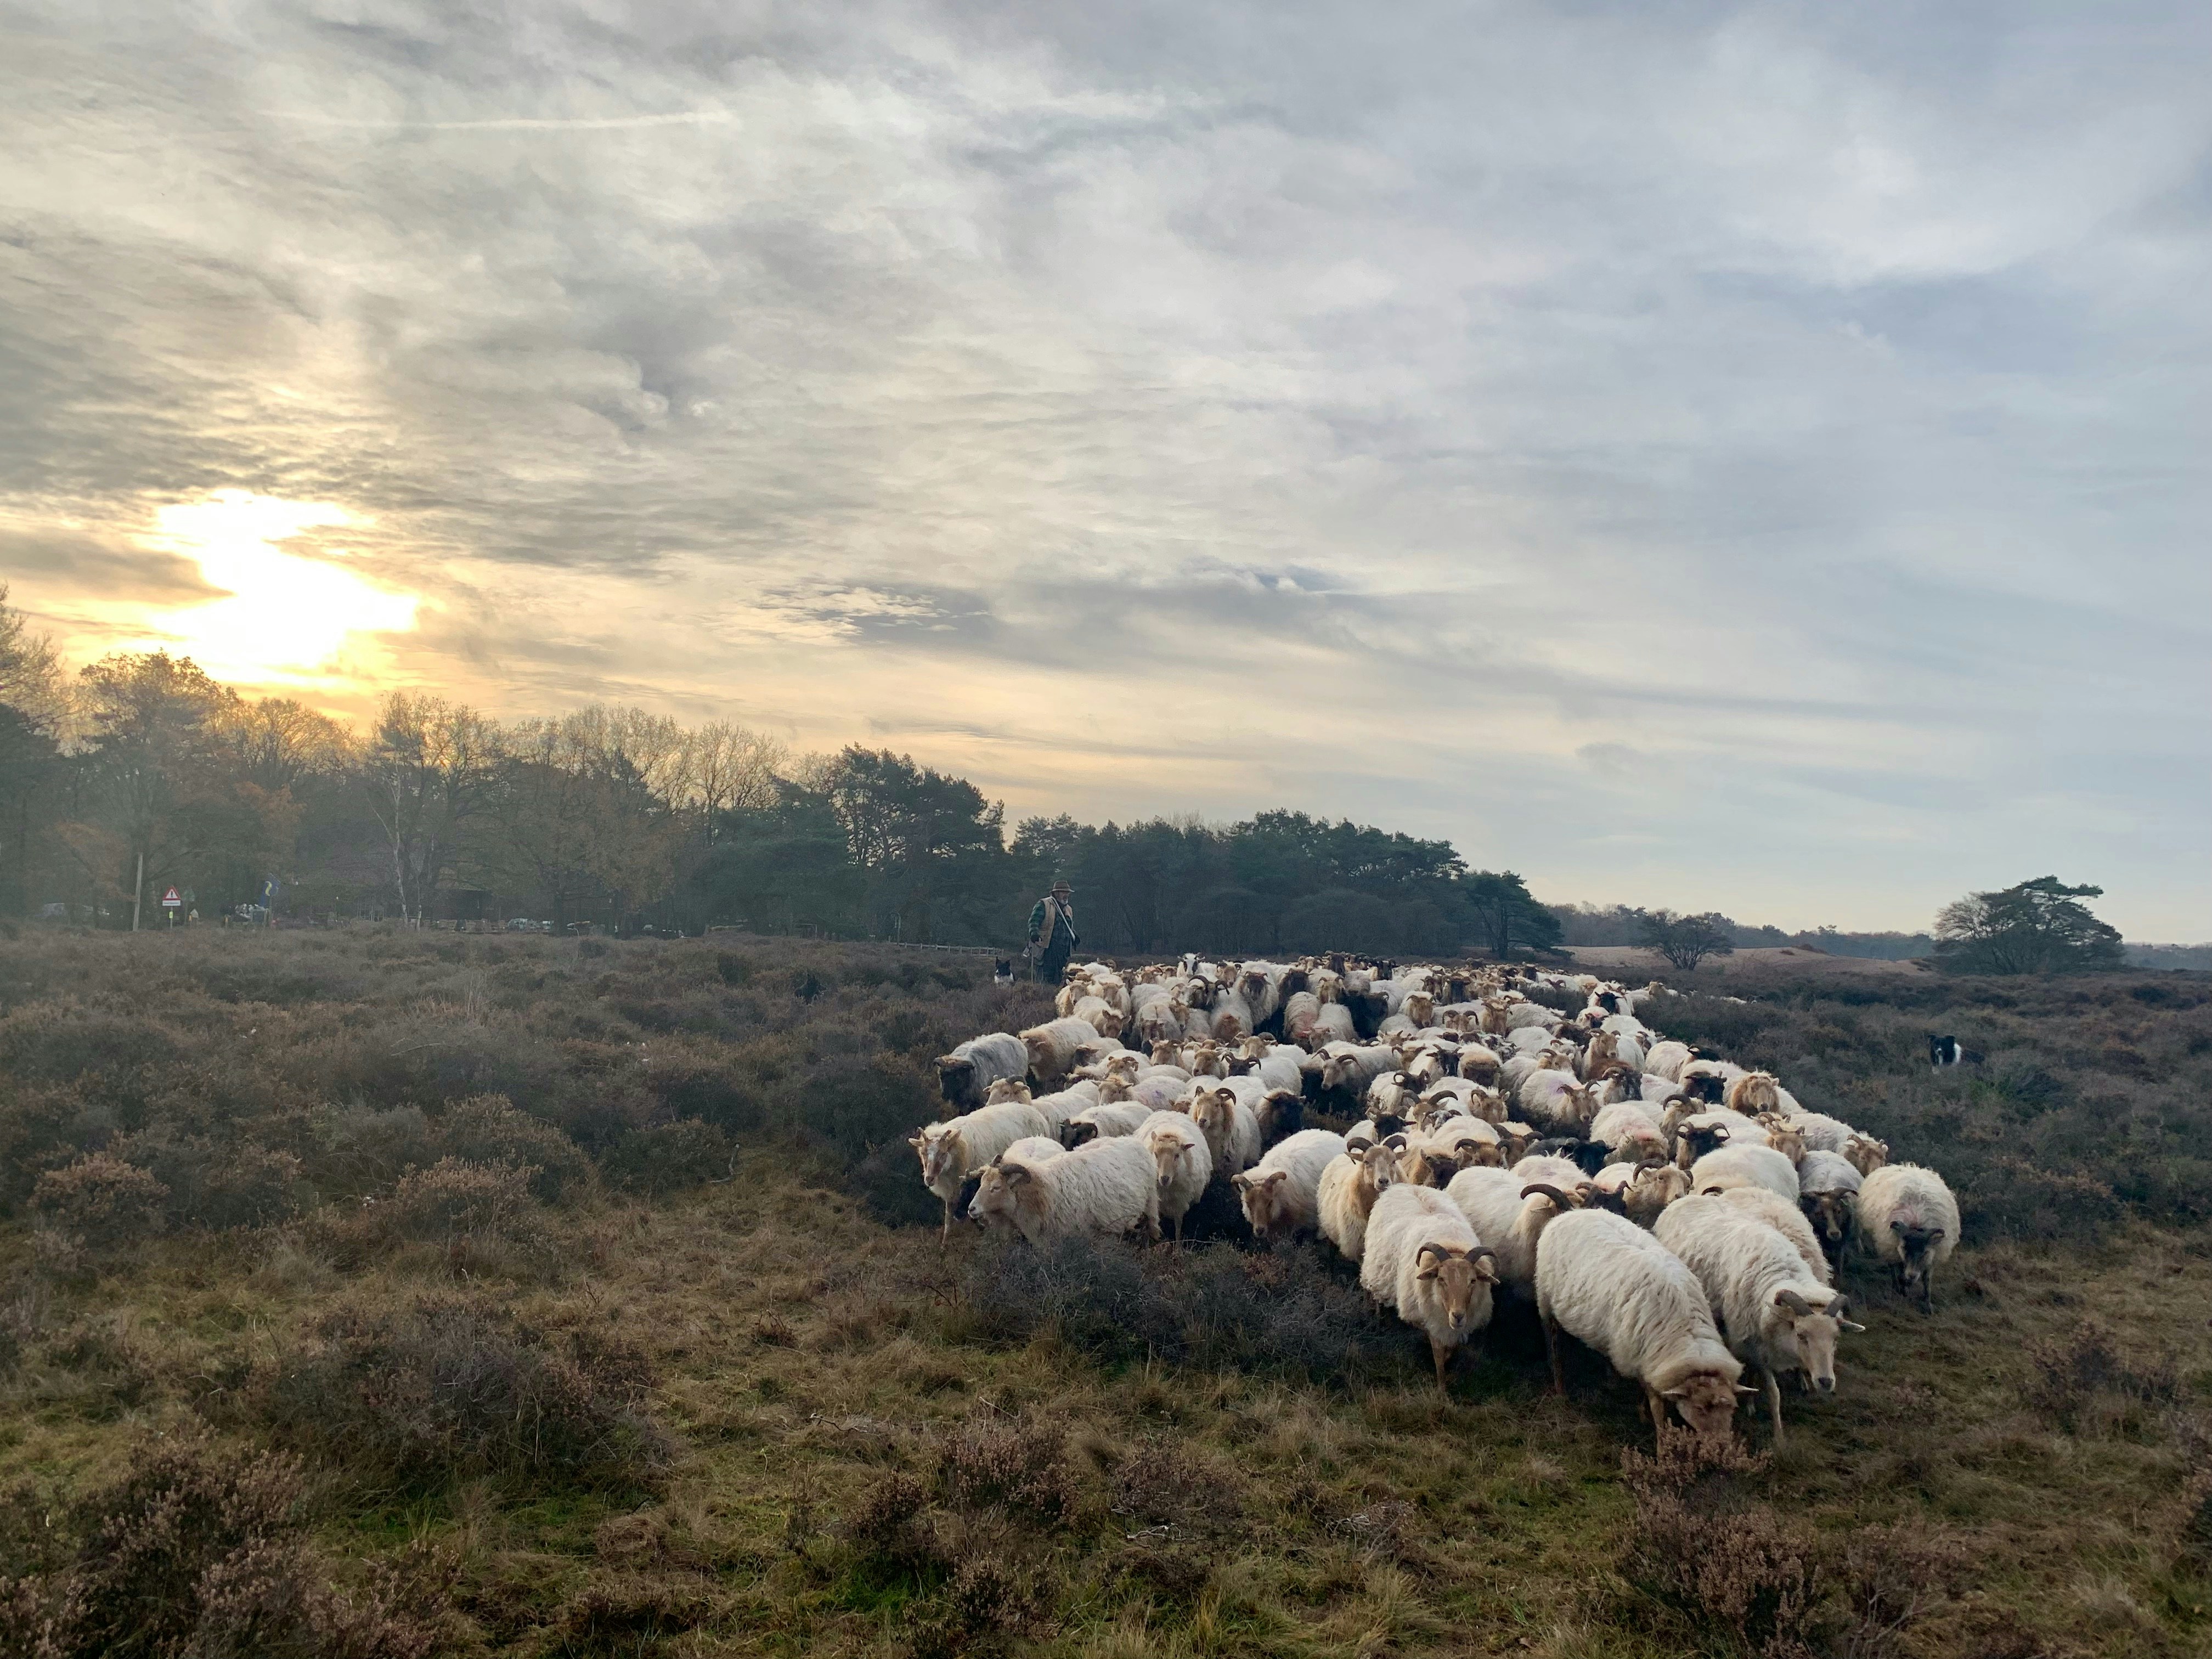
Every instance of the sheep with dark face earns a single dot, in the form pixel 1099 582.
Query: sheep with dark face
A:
pixel 964 1077
pixel 1829 1193
pixel 1910 1221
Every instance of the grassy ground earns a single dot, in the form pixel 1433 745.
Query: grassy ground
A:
pixel 693 1405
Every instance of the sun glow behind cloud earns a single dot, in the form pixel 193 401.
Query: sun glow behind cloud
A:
pixel 288 618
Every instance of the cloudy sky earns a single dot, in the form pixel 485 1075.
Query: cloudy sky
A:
pixel 1742 457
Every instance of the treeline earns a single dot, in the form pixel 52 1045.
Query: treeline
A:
pixel 141 773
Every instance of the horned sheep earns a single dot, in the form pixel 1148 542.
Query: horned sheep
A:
pixel 1055 1048
pixel 1106 1187
pixel 1776 1317
pixel 1280 1193
pixel 952 1151
pixel 1511 1214
pixel 964 1077
pixel 1348 1189
pixel 1827 1192
pixel 1423 1258
pixel 1607 1282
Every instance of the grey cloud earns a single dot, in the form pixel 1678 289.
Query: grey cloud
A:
pixel 76 564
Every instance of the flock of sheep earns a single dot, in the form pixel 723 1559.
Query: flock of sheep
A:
pixel 1679 1214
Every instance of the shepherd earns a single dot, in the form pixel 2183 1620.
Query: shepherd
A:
pixel 1052 932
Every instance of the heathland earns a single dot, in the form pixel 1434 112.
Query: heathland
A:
pixel 383 1292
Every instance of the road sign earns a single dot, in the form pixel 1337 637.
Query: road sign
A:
pixel 172 900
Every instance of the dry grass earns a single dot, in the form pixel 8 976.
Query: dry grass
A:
pixel 767 1422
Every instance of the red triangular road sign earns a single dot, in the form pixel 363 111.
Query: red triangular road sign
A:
pixel 171 897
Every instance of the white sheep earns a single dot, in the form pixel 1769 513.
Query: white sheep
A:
pixel 1107 1120
pixel 1006 1088
pixel 964 1077
pixel 1509 1215
pixel 1609 1283
pixel 1102 1016
pixel 1741 1166
pixel 1348 1189
pixel 1059 1107
pixel 1230 1128
pixel 1106 1187
pixel 1031 1149
pixel 1776 1212
pixel 1776 1316
pixel 1468 1142
pixel 1908 1217
pixel 1632 1133
pixel 1055 1048
pixel 1280 1193
pixel 1185 1164
pixel 1424 1260
pixel 1557 1101
pixel 1642 1189
pixel 1552 1170
pixel 1334 1023
pixel 1665 1060
pixel 1231 1017
pixel 1822 1133
pixel 952 1151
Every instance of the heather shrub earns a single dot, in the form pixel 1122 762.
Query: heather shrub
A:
pixel 668 1156
pixel 448 1388
pixel 351 1150
pixel 2085 1383
pixel 1216 1306
pixel 1719 1559
pixel 200 1553
pixel 488 1129
pixel 102 1201
pixel 482 1213
pixel 1016 1464
pixel 217 1185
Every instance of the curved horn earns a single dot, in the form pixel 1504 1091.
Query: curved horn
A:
pixel 1796 1303
pixel 1539 1189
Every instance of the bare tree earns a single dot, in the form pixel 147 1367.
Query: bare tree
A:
pixel 426 770
pixel 275 742
pixel 731 769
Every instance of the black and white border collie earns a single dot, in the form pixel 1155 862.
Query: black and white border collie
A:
pixel 1002 972
pixel 1947 1051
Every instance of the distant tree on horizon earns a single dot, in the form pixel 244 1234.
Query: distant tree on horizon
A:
pixel 1685 941
pixel 2038 926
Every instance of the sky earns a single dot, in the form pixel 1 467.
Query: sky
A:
pixel 1743 458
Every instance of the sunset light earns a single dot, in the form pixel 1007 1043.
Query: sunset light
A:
pixel 289 618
